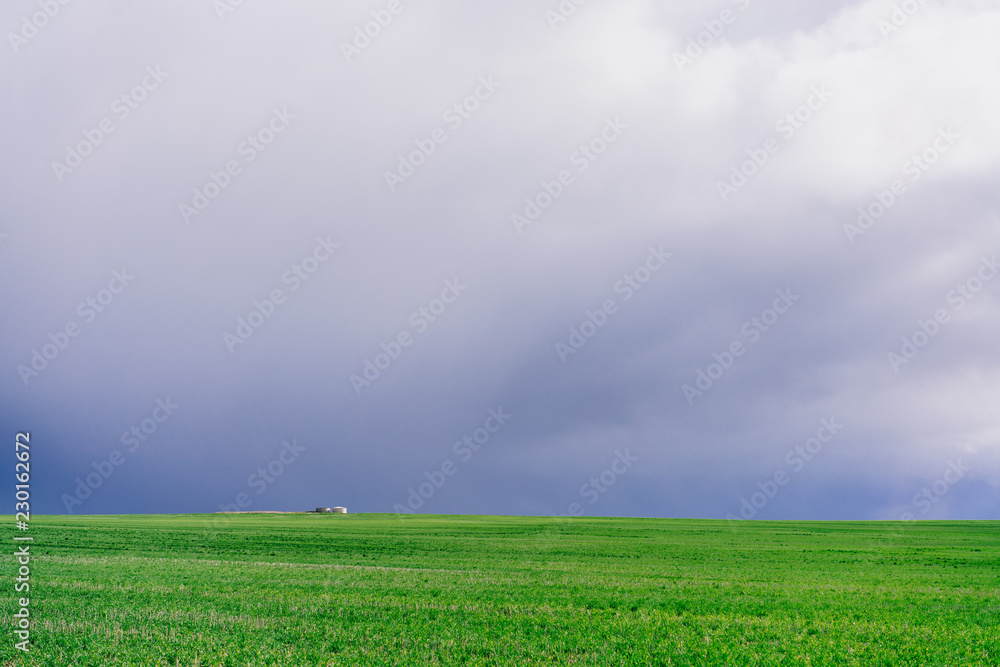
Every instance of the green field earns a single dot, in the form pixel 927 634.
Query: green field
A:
pixel 434 590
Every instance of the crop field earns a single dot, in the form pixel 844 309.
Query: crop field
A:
pixel 288 590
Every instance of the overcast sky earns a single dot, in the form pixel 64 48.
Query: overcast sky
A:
pixel 678 259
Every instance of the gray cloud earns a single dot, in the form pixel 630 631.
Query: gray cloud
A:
pixel 684 129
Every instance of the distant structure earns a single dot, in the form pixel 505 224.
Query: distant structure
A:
pixel 323 510
pixel 340 510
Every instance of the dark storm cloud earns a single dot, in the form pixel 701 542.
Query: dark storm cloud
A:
pixel 451 204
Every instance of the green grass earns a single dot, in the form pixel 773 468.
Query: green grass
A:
pixel 433 590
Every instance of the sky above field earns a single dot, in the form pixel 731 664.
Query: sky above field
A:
pixel 681 259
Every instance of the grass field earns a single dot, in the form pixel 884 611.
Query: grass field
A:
pixel 432 590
